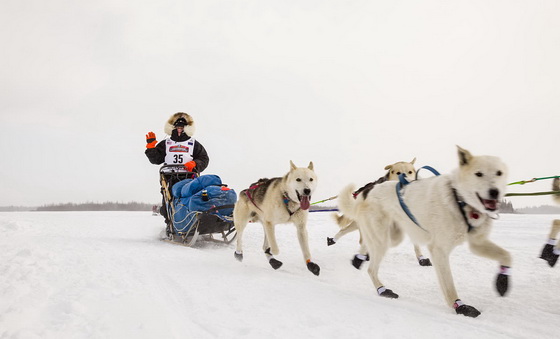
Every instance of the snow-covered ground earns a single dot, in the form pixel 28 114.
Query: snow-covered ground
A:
pixel 107 275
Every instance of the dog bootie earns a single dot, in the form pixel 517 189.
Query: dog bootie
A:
pixel 548 254
pixel 423 261
pixel 386 293
pixel 502 281
pixel 358 260
pixel 238 256
pixel 466 310
pixel 313 267
pixel 276 264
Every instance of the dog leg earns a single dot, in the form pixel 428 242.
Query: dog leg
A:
pixel 347 229
pixel 445 278
pixel 269 231
pixel 375 236
pixel 241 218
pixel 482 246
pixel 373 271
pixel 270 246
pixel 346 226
pixel 550 252
pixel 303 239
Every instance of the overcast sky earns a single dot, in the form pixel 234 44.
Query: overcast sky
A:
pixel 351 85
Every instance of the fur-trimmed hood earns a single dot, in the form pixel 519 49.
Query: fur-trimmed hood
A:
pixel 189 128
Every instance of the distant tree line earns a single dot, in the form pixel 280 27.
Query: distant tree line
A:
pixel 544 209
pixel 506 207
pixel 91 206
pixel 16 208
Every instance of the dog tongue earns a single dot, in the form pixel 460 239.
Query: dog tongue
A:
pixel 304 202
pixel 491 205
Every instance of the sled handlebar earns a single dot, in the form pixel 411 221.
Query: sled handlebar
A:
pixel 175 169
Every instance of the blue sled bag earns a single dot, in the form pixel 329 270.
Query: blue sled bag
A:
pixel 214 196
pixel 202 194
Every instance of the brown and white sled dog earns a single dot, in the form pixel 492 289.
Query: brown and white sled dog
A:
pixel 551 249
pixel 278 201
pixel 347 225
pixel 448 210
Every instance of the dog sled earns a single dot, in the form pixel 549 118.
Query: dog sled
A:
pixel 196 207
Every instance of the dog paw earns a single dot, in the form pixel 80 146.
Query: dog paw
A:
pixel 238 256
pixel 502 283
pixel 547 251
pixel 313 268
pixel 552 260
pixel 548 255
pixel 357 262
pixel 276 264
pixel 330 241
pixel 425 262
pixel 467 311
pixel 387 293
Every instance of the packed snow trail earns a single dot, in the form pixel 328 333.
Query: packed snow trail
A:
pixel 107 275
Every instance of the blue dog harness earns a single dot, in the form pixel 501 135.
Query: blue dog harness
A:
pixel 400 185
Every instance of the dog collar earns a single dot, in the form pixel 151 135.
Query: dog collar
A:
pixel 287 200
pixel 462 204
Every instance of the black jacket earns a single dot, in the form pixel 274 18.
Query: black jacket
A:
pixel 156 155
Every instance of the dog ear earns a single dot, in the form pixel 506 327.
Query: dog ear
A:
pixel 388 167
pixel 310 165
pixel 413 160
pixel 292 165
pixel 464 156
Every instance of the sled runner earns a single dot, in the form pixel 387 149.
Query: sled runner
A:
pixel 196 207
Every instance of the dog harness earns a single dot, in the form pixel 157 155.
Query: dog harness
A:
pixel 249 196
pixel 400 185
pixel 460 203
pixel 285 198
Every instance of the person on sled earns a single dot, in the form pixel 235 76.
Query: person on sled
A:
pixel 180 148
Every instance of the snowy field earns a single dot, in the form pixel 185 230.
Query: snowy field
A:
pixel 107 275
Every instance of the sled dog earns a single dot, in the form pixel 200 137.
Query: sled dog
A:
pixel 551 249
pixel 443 212
pixel 278 201
pixel 347 225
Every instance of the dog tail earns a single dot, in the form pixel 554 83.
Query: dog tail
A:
pixel 341 220
pixel 556 187
pixel 346 202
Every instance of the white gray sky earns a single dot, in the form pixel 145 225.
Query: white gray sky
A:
pixel 351 85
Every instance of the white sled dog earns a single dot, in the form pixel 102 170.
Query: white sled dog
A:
pixel 441 212
pixel 278 201
pixel 347 225
pixel 551 249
